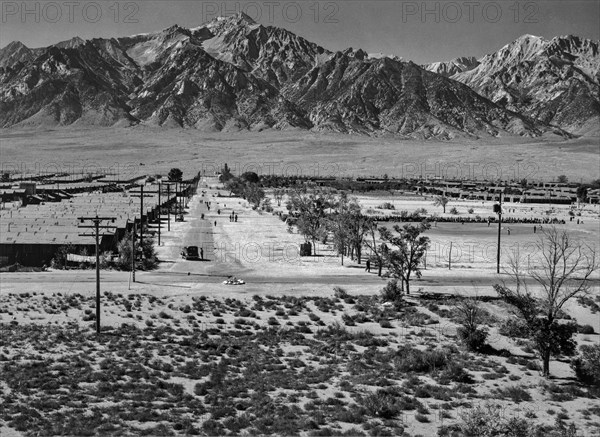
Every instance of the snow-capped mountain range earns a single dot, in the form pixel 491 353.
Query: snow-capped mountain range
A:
pixel 235 74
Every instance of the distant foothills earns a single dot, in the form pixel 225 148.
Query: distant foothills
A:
pixel 234 74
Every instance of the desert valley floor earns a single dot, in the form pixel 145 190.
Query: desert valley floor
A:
pixel 305 346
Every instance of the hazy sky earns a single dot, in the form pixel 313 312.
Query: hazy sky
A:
pixel 423 31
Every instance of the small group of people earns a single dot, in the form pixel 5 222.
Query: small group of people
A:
pixel 233 218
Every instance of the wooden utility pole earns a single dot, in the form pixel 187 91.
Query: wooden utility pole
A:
pixel 97 226
pixel 133 253
pixel 177 199
pixel 159 211
pixel 141 194
pixel 499 211
pixel 169 208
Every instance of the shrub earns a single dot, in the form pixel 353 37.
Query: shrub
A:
pixel 421 418
pixel 474 340
pixel 585 329
pixel 381 404
pixel 490 420
pixel 455 372
pixel 340 293
pixel 384 323
pixel 392 292
pixel 516 394
pixel 348 320
pixel 415 360
pixel 587 364
pixel 513 328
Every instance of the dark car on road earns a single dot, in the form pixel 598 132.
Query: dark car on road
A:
pixel 190 253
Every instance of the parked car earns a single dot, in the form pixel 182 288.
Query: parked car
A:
pixel 190 253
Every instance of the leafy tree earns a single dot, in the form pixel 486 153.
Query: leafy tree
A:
pixel 407 248
pixel 563 179
pixel 250 177
pixel 253 194
pixel 442 201
pixel 226 174
pixel 247 190
pixel 59 261
pixel 146 257
pixel 311 208
pixel 175 175
pixel 235 186
pixel 582 193
pixel 565 269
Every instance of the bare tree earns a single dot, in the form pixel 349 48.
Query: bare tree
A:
pixel 442 201
pixel 378 250
pixel 565 268
pixel 337 223
pixel 470 316
pixel 357 226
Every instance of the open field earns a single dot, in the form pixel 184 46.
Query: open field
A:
pixel 143 149
pixel 287 353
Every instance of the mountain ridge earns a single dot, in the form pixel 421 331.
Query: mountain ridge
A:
pixel 234 74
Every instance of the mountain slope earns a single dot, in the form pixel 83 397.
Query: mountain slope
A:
pixel 354 94
pixel 458 65
pixel 555 81
pixel 14 53
pixel 233 73
pixel 273 54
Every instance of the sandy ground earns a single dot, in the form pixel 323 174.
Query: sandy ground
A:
pixel 141 149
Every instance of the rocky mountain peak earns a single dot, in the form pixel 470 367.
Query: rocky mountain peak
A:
pixel 233 74
pixel 70 43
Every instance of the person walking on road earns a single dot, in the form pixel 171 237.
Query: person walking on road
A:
pixel 368 268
